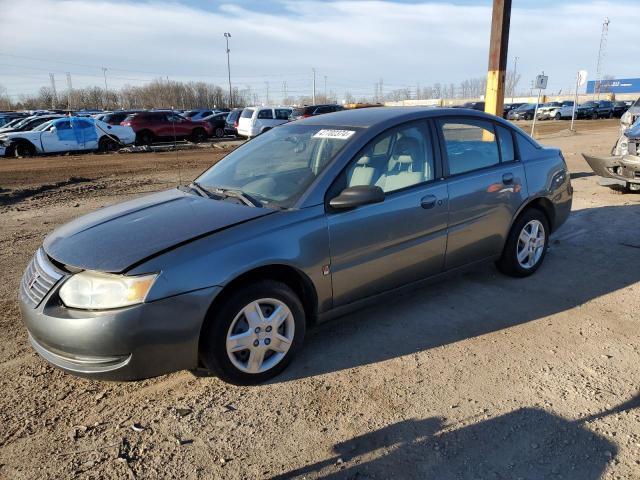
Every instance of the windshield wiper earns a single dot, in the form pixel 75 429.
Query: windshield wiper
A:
pixel 244 197
pixel 220 192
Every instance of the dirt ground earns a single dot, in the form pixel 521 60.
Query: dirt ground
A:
pixel 479 377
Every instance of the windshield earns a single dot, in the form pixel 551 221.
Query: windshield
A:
pixel 190 114
pixel 527 106
pixel 279 165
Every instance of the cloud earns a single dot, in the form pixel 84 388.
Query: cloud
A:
pixel 354 43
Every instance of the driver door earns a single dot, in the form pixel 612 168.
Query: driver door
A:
pixel 378 247
pixel 59 137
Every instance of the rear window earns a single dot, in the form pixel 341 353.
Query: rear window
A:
pixel 297 112
pixel 247 113
pixel 283 113
pixel 267 113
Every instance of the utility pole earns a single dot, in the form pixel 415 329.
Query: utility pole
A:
pixel 515 76
pixel 267 84
pixel 601 54
pixel 106 89
pixel 498 47
pixel 325 88
pixel 284 92
pixel 313 97
pixel 381 95
pixel 227 36
pixel 54 93
pixel 69 89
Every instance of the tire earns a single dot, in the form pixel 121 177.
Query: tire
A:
pixel 145 138
pixel 509 264
pixel 218 132
pixel 24 149
pixel 610 115
pixel 107 145
pixel 594 116
pixel 528 117
pixel 228 320
pixel 199 135
pixel 558 116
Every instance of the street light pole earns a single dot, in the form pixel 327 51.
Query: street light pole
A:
pixel 313 97
pixel 227 36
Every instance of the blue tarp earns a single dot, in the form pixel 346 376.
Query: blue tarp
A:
pixel 634 130
pixel 75 129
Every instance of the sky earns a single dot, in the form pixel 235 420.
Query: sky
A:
pixel 352 43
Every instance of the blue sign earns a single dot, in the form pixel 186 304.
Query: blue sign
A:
pixel 622 85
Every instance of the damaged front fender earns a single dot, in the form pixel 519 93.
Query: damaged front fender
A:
pixel 624 168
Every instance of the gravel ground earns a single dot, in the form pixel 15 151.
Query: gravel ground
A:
pixel 478 377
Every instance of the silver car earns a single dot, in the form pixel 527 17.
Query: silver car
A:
pixel 303 223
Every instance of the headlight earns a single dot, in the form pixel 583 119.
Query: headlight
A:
pixel 101 291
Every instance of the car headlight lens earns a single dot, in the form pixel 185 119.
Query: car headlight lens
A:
pixel 100 291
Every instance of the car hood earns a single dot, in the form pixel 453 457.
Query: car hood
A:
pixel 115 238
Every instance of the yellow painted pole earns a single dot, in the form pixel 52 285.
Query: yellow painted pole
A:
pixel 499 43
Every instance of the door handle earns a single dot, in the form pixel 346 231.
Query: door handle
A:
pixel 507 178
pixel 428 202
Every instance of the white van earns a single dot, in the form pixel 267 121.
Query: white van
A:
pixel 255 120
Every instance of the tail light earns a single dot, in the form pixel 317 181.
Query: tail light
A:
pixel 235 124
pixel 306 115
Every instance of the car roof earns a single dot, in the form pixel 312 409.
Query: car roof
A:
pixel 369 117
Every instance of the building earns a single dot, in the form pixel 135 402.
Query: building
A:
pixel 622 85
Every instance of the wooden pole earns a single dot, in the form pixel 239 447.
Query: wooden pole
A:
pixel 499 43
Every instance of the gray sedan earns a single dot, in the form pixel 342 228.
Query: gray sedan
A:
pixel 305 222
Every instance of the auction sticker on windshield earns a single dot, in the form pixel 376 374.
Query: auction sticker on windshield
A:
pixel 338 134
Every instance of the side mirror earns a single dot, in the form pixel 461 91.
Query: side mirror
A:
pixel 357 196
pixel 53 129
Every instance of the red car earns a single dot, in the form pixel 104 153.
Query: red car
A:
pixel 153 126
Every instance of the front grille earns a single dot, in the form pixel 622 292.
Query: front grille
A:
pixel 39 278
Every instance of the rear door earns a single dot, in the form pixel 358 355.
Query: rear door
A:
pixel 486 187
pixel 378 247
pixel 85 133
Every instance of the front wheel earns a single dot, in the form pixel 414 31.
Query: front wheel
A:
pixel 526 245
pixel 254 335
pixel 558 116
pixel 23 149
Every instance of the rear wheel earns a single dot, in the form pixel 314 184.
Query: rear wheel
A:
pixel 218 132
pixel 526 245
pixel 594 116
pixel 23 149
pixel 558 116
pixel 199 135
pixel 145 138
pixel 108 144
pixel 254 334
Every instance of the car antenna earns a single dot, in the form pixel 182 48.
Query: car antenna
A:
pixel 173 124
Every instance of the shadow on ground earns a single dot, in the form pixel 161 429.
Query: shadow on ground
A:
pixel 588 258
pixel 528 443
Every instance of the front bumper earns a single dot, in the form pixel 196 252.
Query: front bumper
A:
pixel 131 343
pixel 625 168
pixel 3 150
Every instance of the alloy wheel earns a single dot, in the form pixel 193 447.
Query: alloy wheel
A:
pixel 531 243
pixel 260 335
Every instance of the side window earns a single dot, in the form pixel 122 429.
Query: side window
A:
pixel 265 114
pixel 282 113
pixel 396 160
pixel 63 125
pixel 470 144
pixel 506 144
